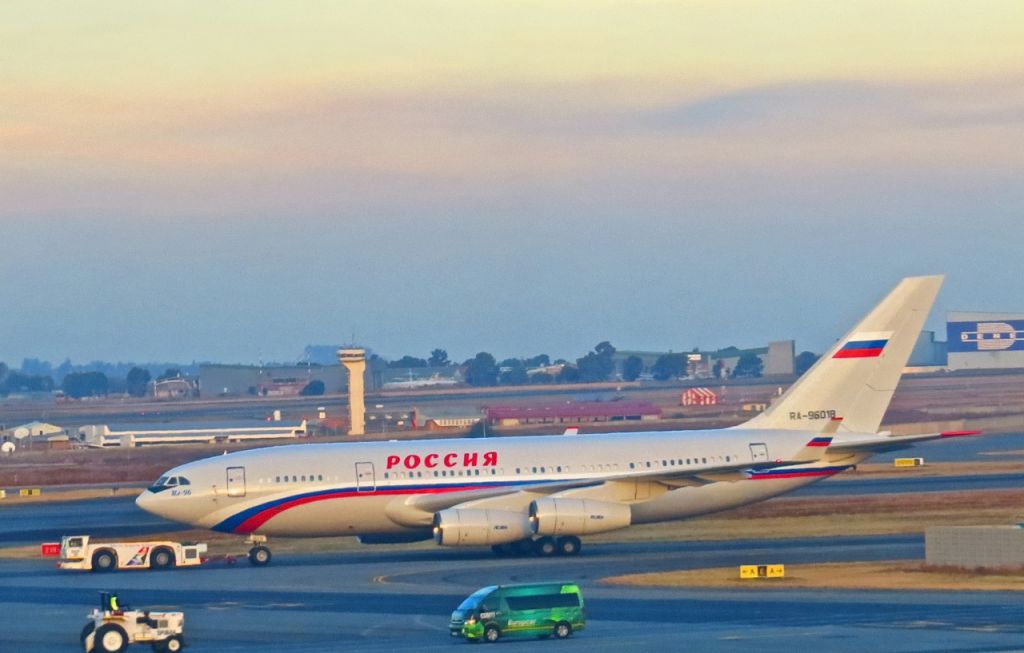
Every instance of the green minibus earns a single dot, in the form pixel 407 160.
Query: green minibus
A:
pixel 534 610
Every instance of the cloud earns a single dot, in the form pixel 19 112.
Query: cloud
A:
pixel 836 102
pixel 317 147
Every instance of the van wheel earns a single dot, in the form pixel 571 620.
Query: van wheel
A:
pixel 546 546
pixel 492 634
pixel 569 546
pixel 162 558
pixel 110 638
pixel 104 560
pixel 259 556
pixel 562 630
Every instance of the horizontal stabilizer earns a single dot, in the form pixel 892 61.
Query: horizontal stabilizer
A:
pixel 879 443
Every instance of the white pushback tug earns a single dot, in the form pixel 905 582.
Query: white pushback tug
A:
pixel 79 552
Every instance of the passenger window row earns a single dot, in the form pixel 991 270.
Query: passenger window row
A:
pixel 438 473
pixel 297 478
pixel 676 462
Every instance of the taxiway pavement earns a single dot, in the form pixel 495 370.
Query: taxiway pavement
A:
pixel 394 600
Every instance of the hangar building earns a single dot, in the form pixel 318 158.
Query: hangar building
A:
pixel 136 435
pixel 985 340
pixel 270 381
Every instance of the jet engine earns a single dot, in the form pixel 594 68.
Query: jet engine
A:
pixel 475 526
pixel 564 516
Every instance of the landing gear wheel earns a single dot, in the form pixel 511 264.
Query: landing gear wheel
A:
pixel 491 634
pixel 162 558
pixel 104 560
pixel 110 638
pixel 501 550
pixel 259 556
pixel 563 630
pixel 545 546
pixel 522 547
pixel 569 546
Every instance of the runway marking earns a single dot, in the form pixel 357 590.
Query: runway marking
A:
pixel 432 626
pixel 366 632
pixel 924 623
pixel 757 636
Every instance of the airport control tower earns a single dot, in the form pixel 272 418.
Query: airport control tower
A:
pixel 354 361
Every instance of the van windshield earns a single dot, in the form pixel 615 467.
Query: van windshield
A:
pixel 472 602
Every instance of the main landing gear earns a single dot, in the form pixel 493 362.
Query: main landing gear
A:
pixel 567 545
pixel 259 554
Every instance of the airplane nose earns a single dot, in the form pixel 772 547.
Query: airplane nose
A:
pixel 178 509
pixel 146 501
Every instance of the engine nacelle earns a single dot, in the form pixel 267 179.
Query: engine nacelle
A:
pixel 564 516
pixel 475 527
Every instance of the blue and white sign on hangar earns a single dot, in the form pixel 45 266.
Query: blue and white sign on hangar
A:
pixel 985 340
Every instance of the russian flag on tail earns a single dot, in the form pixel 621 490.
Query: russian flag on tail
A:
pixel 864 345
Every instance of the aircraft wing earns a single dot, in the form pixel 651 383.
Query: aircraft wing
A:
pixel 882 443
pixel 418 510
pixel 505 494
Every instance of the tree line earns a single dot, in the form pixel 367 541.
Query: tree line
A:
pixel 79 385
pixel 481 370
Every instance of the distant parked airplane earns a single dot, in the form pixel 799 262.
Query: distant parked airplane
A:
pixel 416 383
pixel 540 494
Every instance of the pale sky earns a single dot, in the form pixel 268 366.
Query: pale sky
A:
pixel 229 181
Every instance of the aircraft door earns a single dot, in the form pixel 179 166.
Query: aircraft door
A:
pixel 236 481
pixel 759 452
pixel 365 481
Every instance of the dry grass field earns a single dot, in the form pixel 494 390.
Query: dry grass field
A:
pixel 898 575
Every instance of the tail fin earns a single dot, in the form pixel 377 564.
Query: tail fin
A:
pixel 855 379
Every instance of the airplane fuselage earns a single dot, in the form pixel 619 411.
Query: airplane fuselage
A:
pixel 544 492
pixel 366 488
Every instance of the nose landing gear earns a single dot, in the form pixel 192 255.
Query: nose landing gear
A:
pixel 259 554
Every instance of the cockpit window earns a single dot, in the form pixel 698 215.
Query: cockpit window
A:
pixel 167 482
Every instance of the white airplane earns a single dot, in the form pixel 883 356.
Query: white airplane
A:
pixel 540 494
